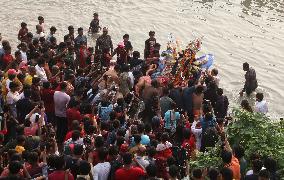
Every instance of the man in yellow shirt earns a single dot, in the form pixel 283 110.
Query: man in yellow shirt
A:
pixel 29 77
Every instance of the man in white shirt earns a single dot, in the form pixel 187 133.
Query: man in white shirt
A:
pixel 51 34
pixel 40 70
pixel 23 49
pixel 61 100
pixel 260 104
pixel 102 169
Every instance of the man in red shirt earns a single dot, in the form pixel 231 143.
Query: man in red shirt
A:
pixel 46 94
pixel 128 171
pixel 7 57
pixel 60 173
pixel 73 113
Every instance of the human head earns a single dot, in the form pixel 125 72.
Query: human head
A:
pixel 263 175
pixel 7 49
pixel 23 25
pixel 102 154
pixel 219 91
pixel 63 86
pixel 53 30
pixel 40 20
pixel 36 81
pixel 126 37
pixel 105 31
pixel 199 89
pixel 152 34
pixel 213 174
pixel 127 158
pixel 226 157
pixel 173 171
pixel 137 139
pixel 33 158
pixel 18 56
pixel 59 162
pixel 256 165
pixel 80 31
pixel 239 151
pixel 214 72
pixel 13 86
pixel 245 66
pixel 227 174
pixel 270 164
pixel 259 97
pixel 84 167
pixel 245 105
pixel 151 170
pixel 75 135
pixel 78 149
pixel 15 167
pixel 136 54
pixel 197 174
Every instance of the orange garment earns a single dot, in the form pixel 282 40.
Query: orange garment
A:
pixel 235 167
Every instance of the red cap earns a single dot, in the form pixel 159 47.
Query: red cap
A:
pixel 12 71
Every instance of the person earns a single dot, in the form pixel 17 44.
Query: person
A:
pixel 46 94
pixel 260 104
pixel 187 98
pixel 59 172
pixel 165 101
pixel 239 153
pixel 95 24
pixel 232 163
pixel 24 106
pixel 23 32
pixel 271 166
pixel 128 171
pixel 40 71
pixel 197 99
pixel 227 174
pixel 39 32
pixel 222 104
pixel 172 116
pixel 122 56
pixel 51 34
pixel 102 169
pixel 12 97
pixel 245 105
pixel 256 167
pixel 251 81
pixel 197 174
pixel 216 78
pixel 41 22
pixel 23 47
pixel 127 44
pixel 149 45
pixel 61 100
pixel 81 38
pixel 104 42
pixel 70 36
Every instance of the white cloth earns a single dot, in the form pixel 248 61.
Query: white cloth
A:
pixel 24 56
pixel 101 171
pixel 41 73
pixel 162 147
pixel 130 74
pixel 12 98
pixel 33 118
pixel 61 100
pixel 197 133
pixel 8 84
pixel 37 36
pixel 261 107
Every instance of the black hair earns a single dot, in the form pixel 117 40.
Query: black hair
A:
pixel 99 141
pixel 40 18
pixel 23 24
pixel 13 85
pixel 127 158
pixel 270 164
pixel 197 173
pixel 136 54
pixel 63 86
pixel 126 36
pixel 151 33
pixel 226 156
pixel 15 167
pixel 151 170
pixel 199 89
pixel 116 124
pixel 46 85
pixel 220 91
pixel 257 165
pixel 59 162
pixel 33 157
pixel 173 171
pixel 227 173
pixel 78 149
pixel 259 96
pixel 84 167
pixel 239 151
pixel 137 138
pixel 264 174
pixel 113 150
pixel 102 153
pixel 75 135
pixel 213 174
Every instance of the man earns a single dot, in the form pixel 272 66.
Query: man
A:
pixel 70 36
pixel 59 172
pixel 41 22
pixel 23 49
pixel 61 100
pixel 47 94
pixel 104 42
pixel 251 81
pixel 95 24
pixel 128 171
pixel 127 44
pixel 232 163
pixel 187 98
pixel 260 104
pixel 51 34
pixel 40 70
pixel 165 101
pixel 222 104
pixel 24 106
pixel 102 169
pixel 149 44
pixel 22 35
pixel 256 166
pixel 39 32
pixel 81 38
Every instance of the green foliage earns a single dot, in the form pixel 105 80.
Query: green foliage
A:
pixel 211 158
pixel 257 133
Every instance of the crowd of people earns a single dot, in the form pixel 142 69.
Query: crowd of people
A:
pixel 70 112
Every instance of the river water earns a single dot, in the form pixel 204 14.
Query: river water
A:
pixel 235 31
